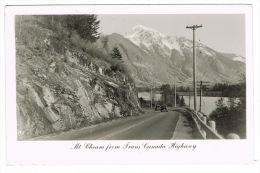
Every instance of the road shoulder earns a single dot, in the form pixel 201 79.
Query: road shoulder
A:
pixel 183 129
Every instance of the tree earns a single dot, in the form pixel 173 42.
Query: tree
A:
pixel 166 91
pixel 116 53
pixel 115 67
pixel 85 25
pixel 182 102
pixel 181 89
pixel 141 99
pixel 230 115
pixel 168 95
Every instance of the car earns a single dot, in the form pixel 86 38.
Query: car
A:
pixel 157 107
pixel 164 108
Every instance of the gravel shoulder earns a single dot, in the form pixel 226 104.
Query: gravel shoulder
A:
pixel 183 129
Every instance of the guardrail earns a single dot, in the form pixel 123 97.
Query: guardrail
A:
pixel 207 128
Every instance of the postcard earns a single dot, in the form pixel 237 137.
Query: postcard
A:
pixel 129 84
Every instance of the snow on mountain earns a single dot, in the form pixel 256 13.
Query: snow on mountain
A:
pixel 206 52
pixel 142 30
pixel 142 35
pixel 171 43
pixel 150 38
pixel 239 58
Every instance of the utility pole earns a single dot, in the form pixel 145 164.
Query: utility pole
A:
pixel 189 100
pixel 203 86
pixel 174 91
pixel 151 97
pixel 194 27
pixel 200 93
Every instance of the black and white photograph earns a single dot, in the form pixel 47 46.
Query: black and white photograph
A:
pixel 129 84
pixel 130 77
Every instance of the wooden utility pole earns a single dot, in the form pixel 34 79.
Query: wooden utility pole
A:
pixel 174 91
pixel 151 97
pixel 203 86
pixel 189 100
pixel 200 93
pixel 194 27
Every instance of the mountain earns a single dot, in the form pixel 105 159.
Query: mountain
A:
pixel 153 58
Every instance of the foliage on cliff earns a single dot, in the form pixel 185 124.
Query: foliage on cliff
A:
pixel 64 81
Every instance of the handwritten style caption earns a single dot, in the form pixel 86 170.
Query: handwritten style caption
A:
pixel 174 146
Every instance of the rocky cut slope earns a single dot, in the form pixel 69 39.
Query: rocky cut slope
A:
pixel 61 87
pixel 155 58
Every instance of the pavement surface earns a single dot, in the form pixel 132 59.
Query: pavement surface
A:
pixel 153 125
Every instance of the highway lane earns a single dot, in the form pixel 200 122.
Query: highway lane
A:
pixel 152 126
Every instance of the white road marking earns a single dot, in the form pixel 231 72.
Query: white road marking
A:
pixel 125 129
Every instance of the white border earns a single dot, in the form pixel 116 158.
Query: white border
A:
pixel 196 156
pixel 27 153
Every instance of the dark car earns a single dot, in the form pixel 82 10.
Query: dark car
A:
pixel 157 107
pixel 164 108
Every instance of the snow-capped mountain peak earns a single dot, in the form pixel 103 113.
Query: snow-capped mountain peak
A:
pixel 148 38
pixel 140 29
pixel 142 34
pixel 239 58
pixel 154 42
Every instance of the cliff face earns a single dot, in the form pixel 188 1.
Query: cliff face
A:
pixel 59 91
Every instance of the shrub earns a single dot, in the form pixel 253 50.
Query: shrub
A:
pixel 230 117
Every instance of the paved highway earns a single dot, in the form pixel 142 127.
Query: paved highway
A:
pixel 155 126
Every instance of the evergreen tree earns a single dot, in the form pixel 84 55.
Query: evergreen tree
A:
pixel 141 99
pixel 116 53
pixel 182 101
pixel 85 25
pixel 230 115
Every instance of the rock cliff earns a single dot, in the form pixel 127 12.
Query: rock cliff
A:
pixel 62 90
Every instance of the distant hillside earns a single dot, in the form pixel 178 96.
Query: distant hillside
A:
pixel 153 58
pixel 64 83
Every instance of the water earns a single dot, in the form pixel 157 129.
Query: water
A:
pixel 147 96
pixel 208 104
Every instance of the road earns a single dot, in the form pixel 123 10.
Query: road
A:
pixel 152 126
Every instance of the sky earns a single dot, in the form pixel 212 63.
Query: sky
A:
pixel 222 32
